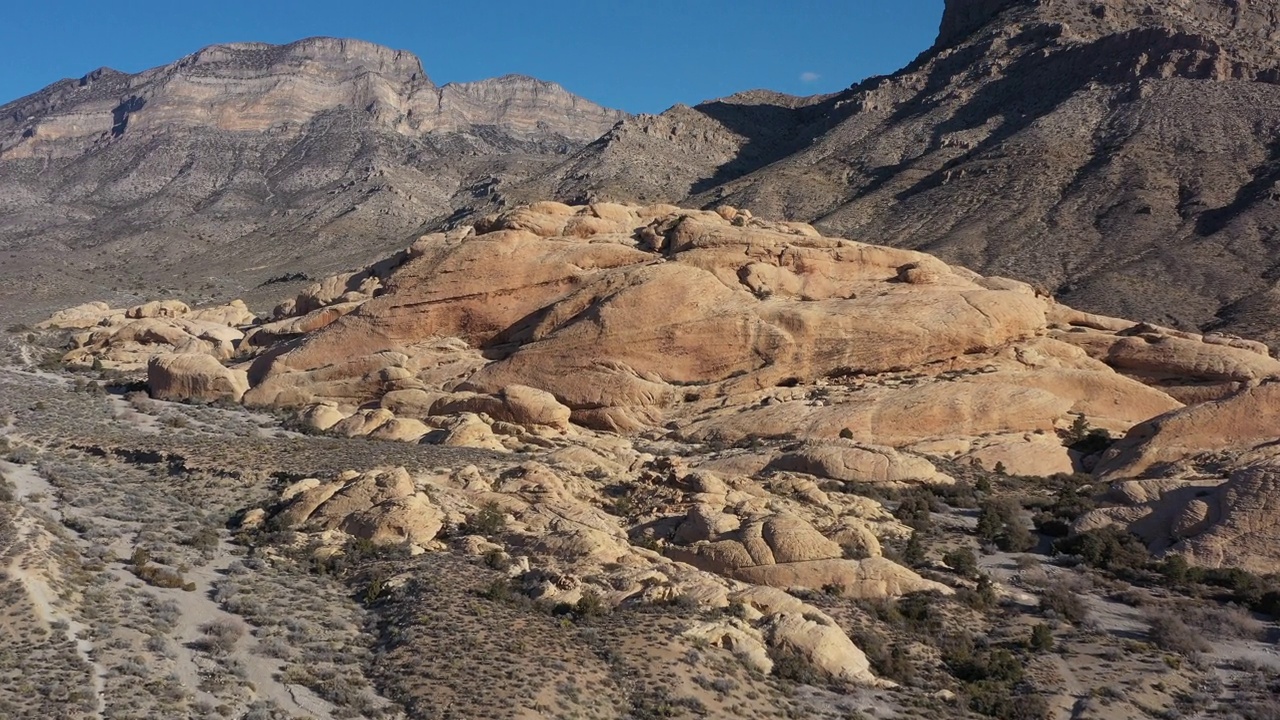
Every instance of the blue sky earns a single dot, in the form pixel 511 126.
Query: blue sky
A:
pixel 638 55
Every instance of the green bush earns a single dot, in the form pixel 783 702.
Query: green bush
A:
pixel 1062 600
pixel 962 561
pixel 1170 634
pixel 915 510
pixel 1107 548
pixel 1041 639
pixel 489 521
pixel 1000 522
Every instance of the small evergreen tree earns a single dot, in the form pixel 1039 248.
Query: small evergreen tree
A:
pixel 1041 638
pixel 913 555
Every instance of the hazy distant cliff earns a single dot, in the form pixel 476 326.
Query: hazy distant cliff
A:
pixel 317 153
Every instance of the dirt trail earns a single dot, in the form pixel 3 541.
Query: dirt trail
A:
pixel 46 602
pixel 196 608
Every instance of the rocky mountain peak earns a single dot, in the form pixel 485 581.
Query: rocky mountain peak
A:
pixel 333 54
pixel 962 17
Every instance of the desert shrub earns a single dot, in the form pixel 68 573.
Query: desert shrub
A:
pixel 220 636
pixel 991 678
pixel 1000 522
pixel 23 455
pixel 962 494
pixel 920 613
pixel 657 702
pixel 1171 634
pixel 891 660
pixel 376 588
pixel 1073 498
pixel 1061 598
pixel 981 598
pixel 489 521
pixel 1041 639
pixel 1228 621
pixel 793 667
pixel 499 590
pixel 590 604
pixel 1261 711
pixel 916 510
pixel 913 554
pixel 993 699
pixel 962 561
pixel 999 665
pixel 162 577
pixel 1107 548
pixel 204 539
pixel 1084 439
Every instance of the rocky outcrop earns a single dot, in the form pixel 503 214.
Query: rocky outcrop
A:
pixel 545 523
pixel 785 551
pixel 849 462
pixel 1210 522
pixel 606 311
pixel 236 87
pixel 127 339
pixel 717 326
pixel 960 18
pixel 194 378
pixel 380 506
pixel 1244 422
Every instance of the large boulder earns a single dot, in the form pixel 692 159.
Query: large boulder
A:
pixel 609 333
pixel 198 378
pixel 785 551
pixel 848 461
pixel 410 519
pixel 80 317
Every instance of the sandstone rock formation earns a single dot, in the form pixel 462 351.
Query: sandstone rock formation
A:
pixel 194 377
pixel 1243 423
pixel 621 316
pixel 127 339
pixel 718 325
pixel 561 546
pixel 1201 481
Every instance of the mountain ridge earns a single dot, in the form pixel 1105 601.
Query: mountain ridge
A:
pixel 305 157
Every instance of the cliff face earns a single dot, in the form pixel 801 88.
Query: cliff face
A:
pixel 1120 153
pixel 256 88
pixel 232 157
pixel 962 17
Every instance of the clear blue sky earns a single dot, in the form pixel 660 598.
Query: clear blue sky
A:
pixel 638 55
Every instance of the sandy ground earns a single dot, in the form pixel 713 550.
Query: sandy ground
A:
pixel 197 608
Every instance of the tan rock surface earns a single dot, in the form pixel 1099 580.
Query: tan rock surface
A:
pixel 849 462
pixel 410 519
pixel 198 378
pixel 1243 421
